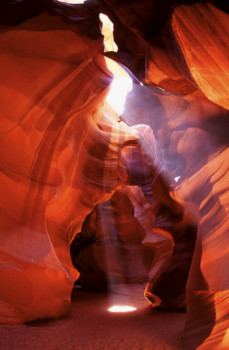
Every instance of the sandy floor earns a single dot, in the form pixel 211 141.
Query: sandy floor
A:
pixel 89 325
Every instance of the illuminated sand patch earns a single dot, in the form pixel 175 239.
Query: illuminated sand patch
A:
pixel 122 308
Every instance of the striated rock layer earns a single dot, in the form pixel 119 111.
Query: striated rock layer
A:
pixel 53 151
pixel 193 135
pixel 146 194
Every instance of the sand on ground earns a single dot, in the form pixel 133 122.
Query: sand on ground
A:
pixel 90 326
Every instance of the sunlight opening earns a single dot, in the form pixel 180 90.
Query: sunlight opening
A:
pixel 107 31
pixel 122 308
pixel 72 1
pixel 119 89
pixel 122 83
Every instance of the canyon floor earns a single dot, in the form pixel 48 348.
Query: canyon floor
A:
pixel 89 325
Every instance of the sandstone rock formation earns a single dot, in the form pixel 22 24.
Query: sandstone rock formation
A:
pixel 65 158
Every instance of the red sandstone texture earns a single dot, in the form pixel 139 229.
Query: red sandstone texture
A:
pixel 68 167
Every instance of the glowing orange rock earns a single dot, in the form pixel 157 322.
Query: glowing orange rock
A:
pixel 202 32
pixel 46 73
pixel 61 156
pixel 58 160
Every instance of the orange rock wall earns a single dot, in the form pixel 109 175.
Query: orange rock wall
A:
pixel 60 155
pixel 53 150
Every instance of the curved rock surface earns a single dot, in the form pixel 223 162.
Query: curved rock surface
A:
pixel 159 173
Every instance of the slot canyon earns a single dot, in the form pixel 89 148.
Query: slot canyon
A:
pixel 114 174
